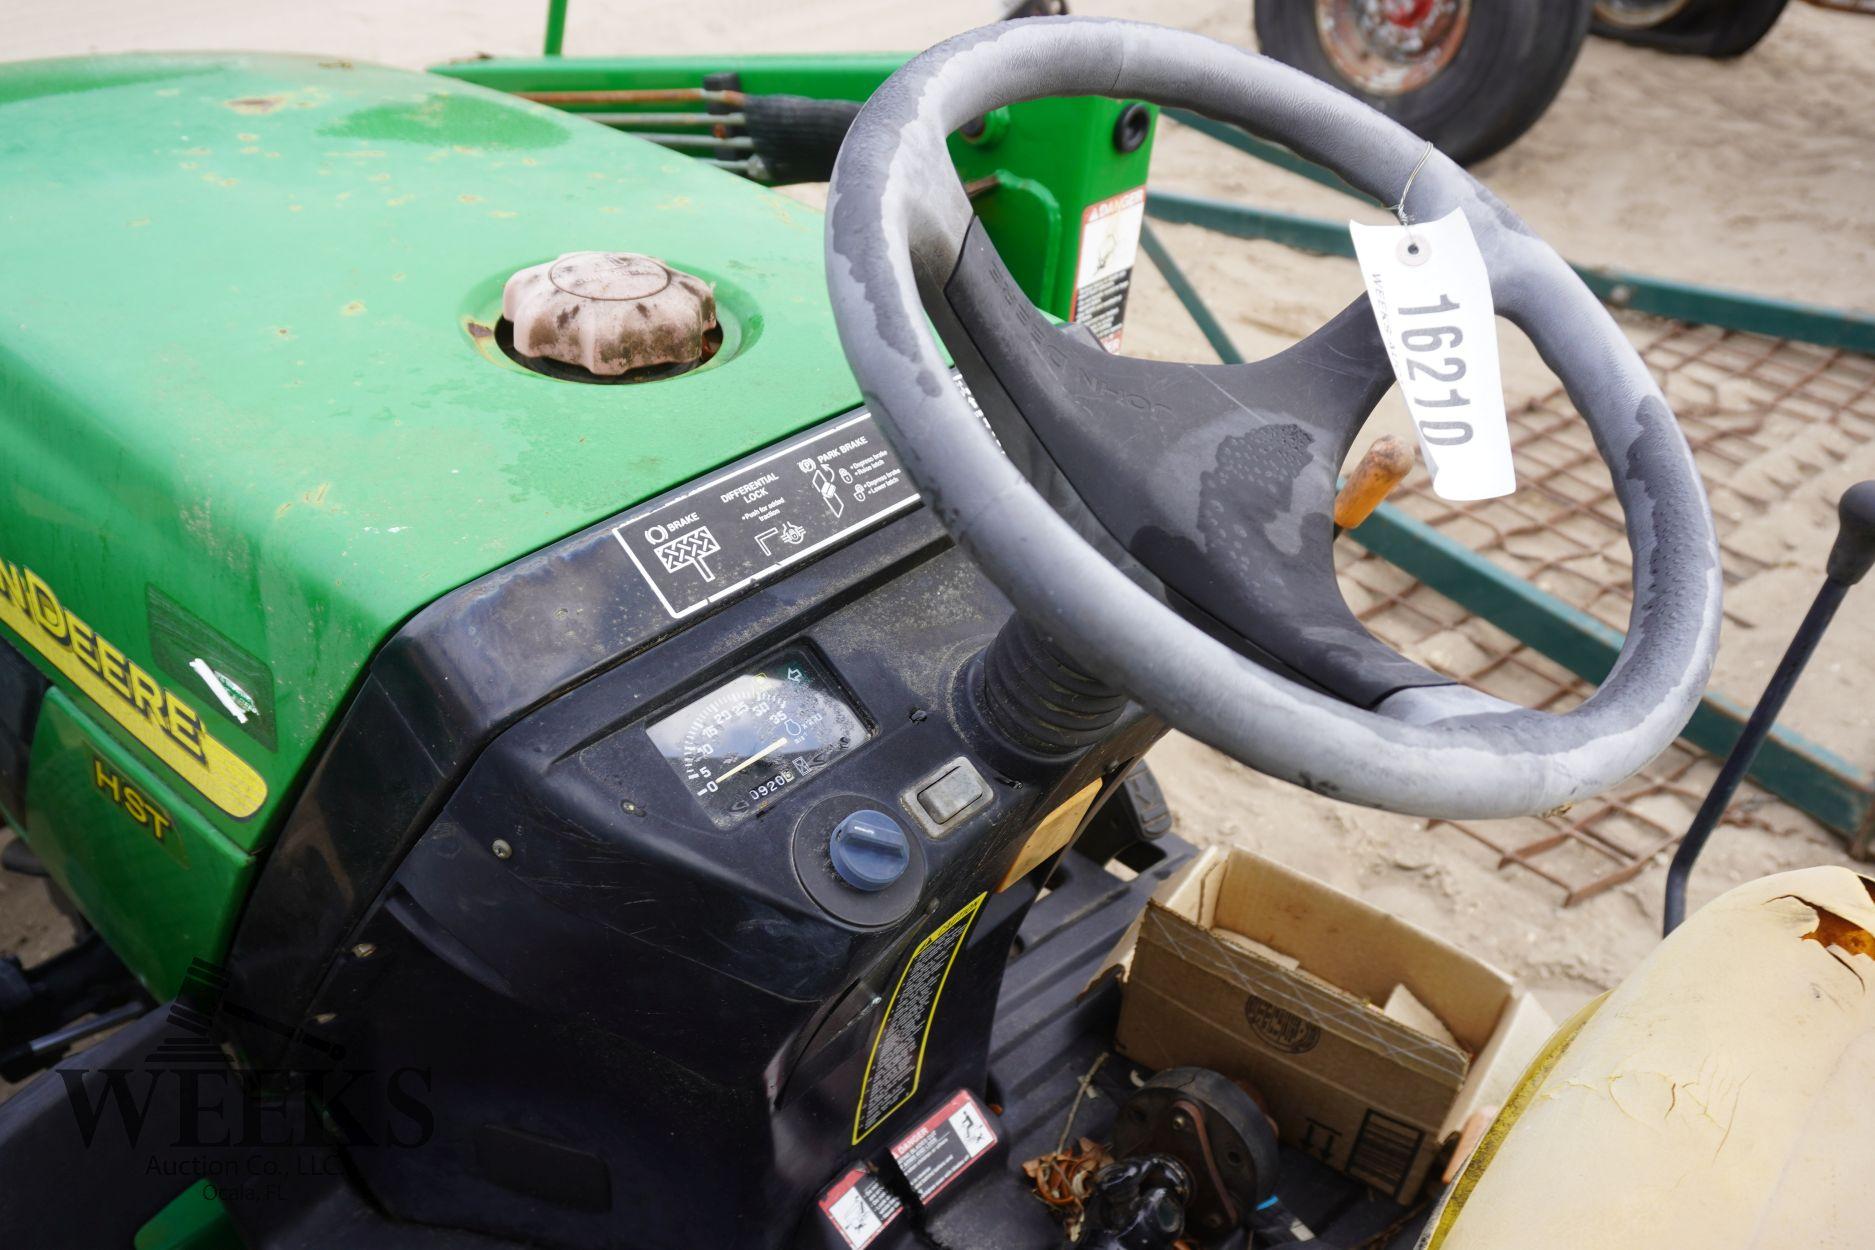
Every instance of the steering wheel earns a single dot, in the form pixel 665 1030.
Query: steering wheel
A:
pixel 1169 525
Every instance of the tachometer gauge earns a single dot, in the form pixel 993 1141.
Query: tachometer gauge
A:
pixel 746 743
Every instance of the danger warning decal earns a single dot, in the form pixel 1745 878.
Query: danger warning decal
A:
pixel 152 713
pixel 859 1206
pixel 898 1052
pixel 938 1151
pixel 1104 276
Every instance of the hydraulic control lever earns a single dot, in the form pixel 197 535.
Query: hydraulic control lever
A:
pixel 1383 467
pixel 1849 561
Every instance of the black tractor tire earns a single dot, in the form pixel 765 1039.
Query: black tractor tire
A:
pixel 1716 28
pixel 1514 58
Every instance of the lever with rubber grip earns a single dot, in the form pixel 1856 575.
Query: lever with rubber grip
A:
pixel 1849 561
pixel 1854 552
pixel 1382 468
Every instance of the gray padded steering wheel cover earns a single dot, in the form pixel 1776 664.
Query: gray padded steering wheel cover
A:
pixel 897 215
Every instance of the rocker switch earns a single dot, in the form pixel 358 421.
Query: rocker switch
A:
pixel 950 794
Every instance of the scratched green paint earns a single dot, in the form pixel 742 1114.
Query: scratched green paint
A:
pixel 239 377
pixel 1049 158
pixel 234 362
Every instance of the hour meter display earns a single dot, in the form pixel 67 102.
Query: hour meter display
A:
pixel 760 734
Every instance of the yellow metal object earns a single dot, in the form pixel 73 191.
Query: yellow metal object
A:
pixel 1520 1099
pixel 1053 832
pixel 1386 463
pixel 1716 1099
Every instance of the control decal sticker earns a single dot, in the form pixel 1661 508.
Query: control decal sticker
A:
pixel 897 1059
pixel 153 714
pixel 748 523
pixel 938 1151
pixel 745 524
pixel 859 1206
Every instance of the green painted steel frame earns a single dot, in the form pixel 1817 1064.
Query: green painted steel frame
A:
pixel 196 1219
pixel 1044 161
pixel 1643 293
pixel 1800 771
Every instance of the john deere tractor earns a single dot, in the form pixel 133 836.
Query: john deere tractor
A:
pixel 572 719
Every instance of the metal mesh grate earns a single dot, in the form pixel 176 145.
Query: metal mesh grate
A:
pixel 1597 844
pixel 1763 416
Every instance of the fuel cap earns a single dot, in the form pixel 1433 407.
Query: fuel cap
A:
pixel 869 850
pixel 610 312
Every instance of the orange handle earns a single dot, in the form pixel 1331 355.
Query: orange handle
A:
pixel 1388 461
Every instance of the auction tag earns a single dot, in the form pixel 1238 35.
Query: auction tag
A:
pixel 1432 300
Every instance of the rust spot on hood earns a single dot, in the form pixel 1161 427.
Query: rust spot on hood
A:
pixel 256 103
pixel 1838 935
pixel 1844 935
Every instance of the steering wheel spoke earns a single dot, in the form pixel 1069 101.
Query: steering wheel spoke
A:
pixel 1218 480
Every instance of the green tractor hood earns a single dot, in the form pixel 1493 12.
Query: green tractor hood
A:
pixel 252 414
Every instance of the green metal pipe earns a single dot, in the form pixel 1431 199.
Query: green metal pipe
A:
pixel 1308 234
pixel 1800 771
pixel 1642 293
pixel 1208 324
pixel 1264 150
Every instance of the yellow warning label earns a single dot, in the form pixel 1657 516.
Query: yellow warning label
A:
pixel 153 714
pixel 897 1060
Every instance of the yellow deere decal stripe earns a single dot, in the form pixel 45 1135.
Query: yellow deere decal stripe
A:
pixel 154 715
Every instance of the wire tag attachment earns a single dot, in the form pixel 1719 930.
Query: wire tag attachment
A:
pixel 1431 299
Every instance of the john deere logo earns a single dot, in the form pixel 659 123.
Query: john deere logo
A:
pixel 155 715
pixel 1280 1029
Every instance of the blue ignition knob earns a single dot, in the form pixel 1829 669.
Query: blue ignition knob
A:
pixel 870 850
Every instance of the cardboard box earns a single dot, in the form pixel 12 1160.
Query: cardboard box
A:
pixel 1357 1089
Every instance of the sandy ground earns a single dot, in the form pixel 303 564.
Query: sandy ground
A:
pixel 1757 174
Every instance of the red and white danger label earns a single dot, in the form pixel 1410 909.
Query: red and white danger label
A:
pixel 859 1207
pixel 1104 275
pixel 938 1151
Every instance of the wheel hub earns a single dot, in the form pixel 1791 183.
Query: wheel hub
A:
pixel 1390 47
pixel 1638 14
